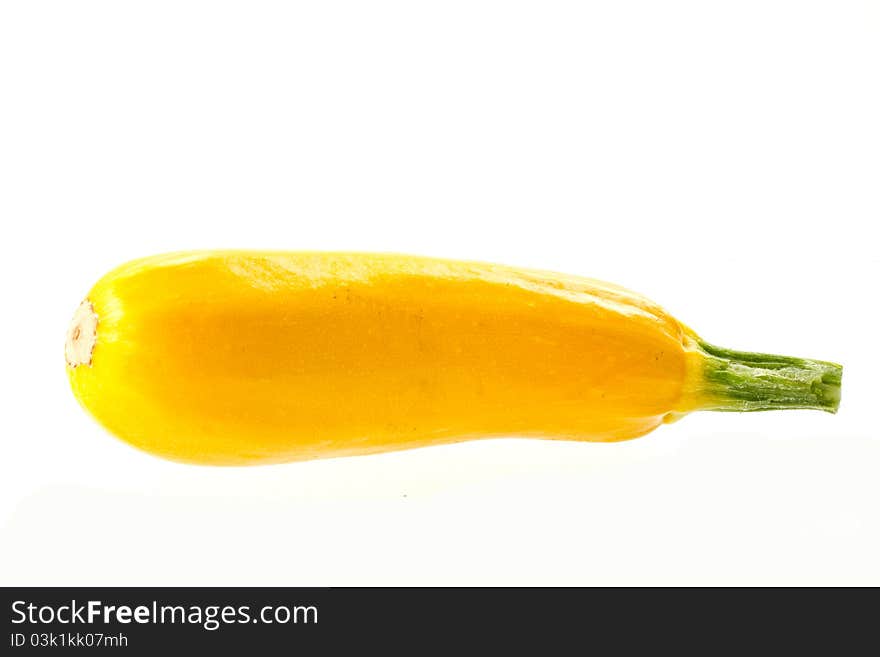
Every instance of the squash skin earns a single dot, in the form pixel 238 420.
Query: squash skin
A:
pixel 236 357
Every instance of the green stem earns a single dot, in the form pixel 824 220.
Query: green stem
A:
pixel 745 381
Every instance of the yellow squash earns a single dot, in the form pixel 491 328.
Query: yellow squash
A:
pixel 233 357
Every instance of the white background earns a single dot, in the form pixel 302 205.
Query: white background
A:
pixel 722 158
